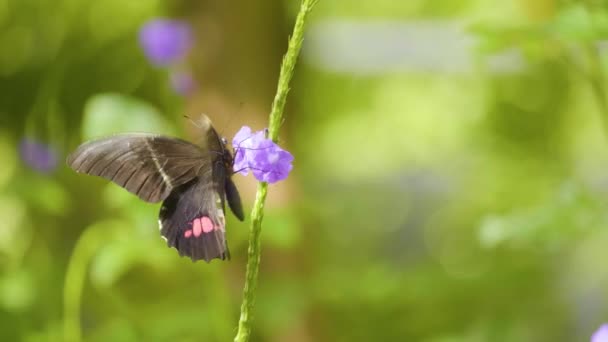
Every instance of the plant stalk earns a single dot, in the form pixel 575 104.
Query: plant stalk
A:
pixel 257 213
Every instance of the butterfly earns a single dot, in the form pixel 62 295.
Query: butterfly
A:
pixel 193 182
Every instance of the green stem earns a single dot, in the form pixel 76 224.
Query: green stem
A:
pixel 87 244
pixel 257 213
pixel 253 264
pixel 287 67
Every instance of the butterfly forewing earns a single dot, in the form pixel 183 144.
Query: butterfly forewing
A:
pixel 147 165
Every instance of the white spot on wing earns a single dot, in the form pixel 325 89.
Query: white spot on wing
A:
pixel 160 227
pixel 220 212
pixel 162 172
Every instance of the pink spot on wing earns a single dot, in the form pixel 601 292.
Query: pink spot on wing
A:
pixel 197 227
pixel 206 224
pixel 188 233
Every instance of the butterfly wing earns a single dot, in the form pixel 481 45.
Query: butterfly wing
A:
pixel 192 217
pixel 234 199
pixel 147 165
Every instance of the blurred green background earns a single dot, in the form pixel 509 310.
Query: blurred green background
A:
pixel 449 181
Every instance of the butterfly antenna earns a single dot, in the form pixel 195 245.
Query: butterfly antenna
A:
pixel 226 124
pixel 198 125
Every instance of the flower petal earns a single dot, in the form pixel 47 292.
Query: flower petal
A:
pixel 240 164
pixel 267 161
pixel 241 136
pixel 601 334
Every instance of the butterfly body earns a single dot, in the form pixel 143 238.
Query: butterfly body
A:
pixel 193 182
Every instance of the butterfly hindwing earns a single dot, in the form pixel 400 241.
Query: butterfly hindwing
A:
pixel 192 217
pixel 148 165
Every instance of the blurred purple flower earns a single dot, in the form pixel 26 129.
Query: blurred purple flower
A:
pixel 38 156
pixel 182 82
pixel 165 41
pixel 267 161
pixel 601 334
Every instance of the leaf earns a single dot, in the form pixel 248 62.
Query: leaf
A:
pixel 46 195
pixel 599 19
pixel 17 291
pixel 8 159
pixel 118 257
pixel 573 23
pixel 107 114
pixel 16 233
pixel 115 329
pixel 569 213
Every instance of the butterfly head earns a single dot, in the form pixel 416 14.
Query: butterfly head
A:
pixel 227 155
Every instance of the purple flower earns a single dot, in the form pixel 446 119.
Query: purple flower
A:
pixel 182 82
pixel 272 164
pixel 38 156
pixel 165 41
pixel 244 142
pixel 267 161
pixel 601 334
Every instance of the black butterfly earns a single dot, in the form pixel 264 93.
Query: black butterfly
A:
pixel 192 181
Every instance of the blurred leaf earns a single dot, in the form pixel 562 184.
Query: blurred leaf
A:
pixel 571 212
pixel 450 339
pixel 4 11
pixel 22 42
pixel 494 39
pixel 143 215
pixel 281 229
pixel 493 231
pixel 416 133
pixel 52 331
pixel 178 323
pixel 114 19
pixel 599 18
pixel 107 114
pixel 47 195
pixel 17 290
pixel 15 233
pixel 116 197
pixel 8 159
pixel 117 329
pixel 573 23
pixel 117 258
pixel 586 266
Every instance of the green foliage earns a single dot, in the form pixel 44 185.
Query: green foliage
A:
pixel 423 206
pixel 106 114
pixel 570 213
